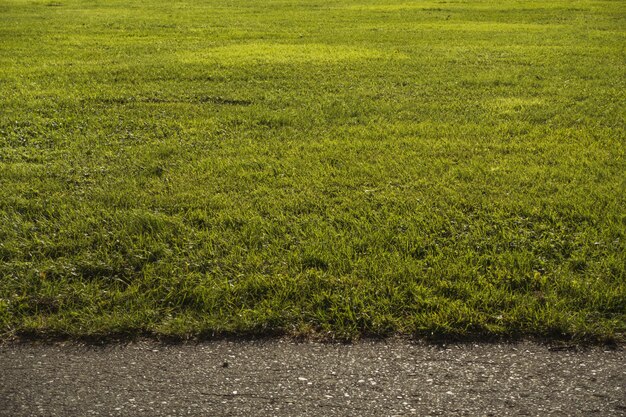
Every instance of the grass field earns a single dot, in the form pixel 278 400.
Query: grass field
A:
pixel 332 168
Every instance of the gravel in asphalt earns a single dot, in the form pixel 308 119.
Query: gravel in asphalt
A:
pixel 283 378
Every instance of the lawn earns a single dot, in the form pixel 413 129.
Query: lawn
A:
pixel 329 168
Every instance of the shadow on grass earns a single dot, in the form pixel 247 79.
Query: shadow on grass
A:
pixel 553 341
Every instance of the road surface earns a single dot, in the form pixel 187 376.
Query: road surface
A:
pixel 283 378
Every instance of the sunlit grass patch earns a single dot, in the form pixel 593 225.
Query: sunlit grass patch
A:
pixel 278 53
pixel 516 105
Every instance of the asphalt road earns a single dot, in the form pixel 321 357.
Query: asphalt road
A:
pixel 282 378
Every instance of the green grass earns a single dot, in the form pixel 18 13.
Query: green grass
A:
pixel 339 168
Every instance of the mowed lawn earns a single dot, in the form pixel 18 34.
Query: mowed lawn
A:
pixel 326 168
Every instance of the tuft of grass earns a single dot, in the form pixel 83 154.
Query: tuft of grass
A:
pixel 313 168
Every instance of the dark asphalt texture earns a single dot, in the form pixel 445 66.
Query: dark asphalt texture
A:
pixel 283 378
